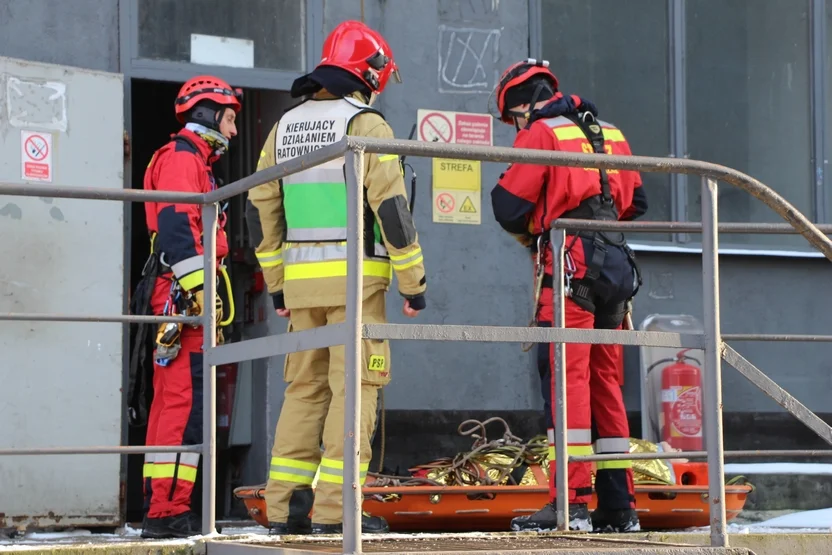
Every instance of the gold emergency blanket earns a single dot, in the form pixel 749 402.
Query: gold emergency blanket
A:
pixel 509 460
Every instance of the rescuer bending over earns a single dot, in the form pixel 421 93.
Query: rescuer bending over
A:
pixel 601 278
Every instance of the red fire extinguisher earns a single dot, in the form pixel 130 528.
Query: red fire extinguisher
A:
pixel 681 418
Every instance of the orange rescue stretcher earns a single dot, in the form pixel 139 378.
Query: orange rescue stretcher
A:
pixel 428 508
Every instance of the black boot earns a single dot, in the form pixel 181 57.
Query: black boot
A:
pixel 546 519
pixel 182 525
pixel 369 525
pixel 615 520
pixel 300 504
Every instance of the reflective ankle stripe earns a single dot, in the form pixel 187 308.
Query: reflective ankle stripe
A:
pixel 292 470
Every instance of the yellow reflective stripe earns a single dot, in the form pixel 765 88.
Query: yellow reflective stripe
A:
pixel 270 259
pixel 410 264
pixel 192 280
pixel 572 450
pixel 335 268
pixel 147 470
pixel 614 465
pixel 287 477
pixel 168 470
pixel 400 257
pixel 408 260
pixel 332 471
pixel 387 157
pixel 292 463
pixel 569 132
pixel 613 135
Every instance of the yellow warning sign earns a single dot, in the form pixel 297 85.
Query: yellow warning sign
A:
pixel 457 184
pixel 467 206
pixel 456 191
pixel 456 174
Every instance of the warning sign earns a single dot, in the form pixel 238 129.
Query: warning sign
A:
pixel 445 203
pixel 454 127
pixel 36 156
pixel 467 206
pixel 457 184
pixel 435 126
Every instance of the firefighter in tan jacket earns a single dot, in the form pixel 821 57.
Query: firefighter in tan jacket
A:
pixel 303 256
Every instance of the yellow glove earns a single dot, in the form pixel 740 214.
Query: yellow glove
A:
pixel 198 300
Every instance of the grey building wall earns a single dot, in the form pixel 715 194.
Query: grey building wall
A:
pixel 479 275
pixel 80 33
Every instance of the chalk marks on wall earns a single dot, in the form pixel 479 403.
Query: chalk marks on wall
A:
pixel 468 59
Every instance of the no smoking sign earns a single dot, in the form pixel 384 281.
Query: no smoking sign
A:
pixel 36 156
pixel 436 127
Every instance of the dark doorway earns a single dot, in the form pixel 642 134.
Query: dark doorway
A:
pixel 153 122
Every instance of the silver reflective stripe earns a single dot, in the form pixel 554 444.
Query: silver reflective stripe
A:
pixel 292 470
pixel 408 260
pixel 316 175
pixel 332 471
pixel 380 250
pixel 190 459
pixel 576 436
pixel 612 445
pixel 187 266
pixel 559 121
pixel 149 458
pixel 295 254
pixel 320 234
pixel 302 253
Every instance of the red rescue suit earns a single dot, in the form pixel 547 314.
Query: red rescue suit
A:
pixel 183 165
pixel 526 199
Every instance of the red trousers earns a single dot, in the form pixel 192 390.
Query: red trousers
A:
pixel 593 396
pixel 175 419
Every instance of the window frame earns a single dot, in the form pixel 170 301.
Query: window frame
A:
pixel 258 78
pixel 676 57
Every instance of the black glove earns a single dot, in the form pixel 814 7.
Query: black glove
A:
pixel 417 302
pixel 278 301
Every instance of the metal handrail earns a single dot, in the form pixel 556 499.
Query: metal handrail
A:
pixel 353 331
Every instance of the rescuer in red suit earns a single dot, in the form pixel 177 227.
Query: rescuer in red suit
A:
pixel 601 278
pixel 208 107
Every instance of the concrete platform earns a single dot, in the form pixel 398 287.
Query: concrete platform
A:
pixel 245 542
pixel 748 534
pixel 480 543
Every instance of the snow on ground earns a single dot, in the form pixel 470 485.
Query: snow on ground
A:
pixel 778 468
pixel 806 522
pixel 820 519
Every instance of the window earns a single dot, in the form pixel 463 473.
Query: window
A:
pixel 748 106
pixel 615 54
pixel 272 29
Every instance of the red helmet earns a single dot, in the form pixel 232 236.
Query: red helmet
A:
pixel 518 74
pixel 206 87
pixel 354 47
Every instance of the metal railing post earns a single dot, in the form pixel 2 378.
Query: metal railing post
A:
pixel 712 398
pixel 209 377
pixel 558 238
pixel 351 488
